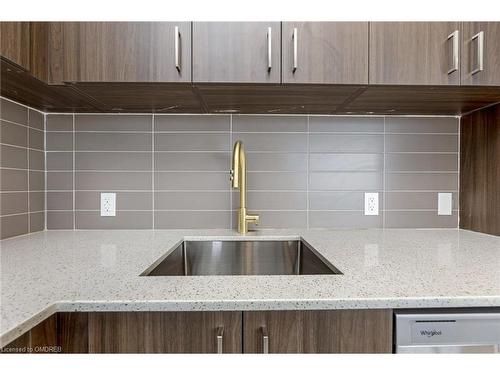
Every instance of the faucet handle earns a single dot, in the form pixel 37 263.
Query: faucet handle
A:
pixel 253 218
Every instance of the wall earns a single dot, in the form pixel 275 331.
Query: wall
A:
pixel 480 161
pixel 22 177
pixel 171 171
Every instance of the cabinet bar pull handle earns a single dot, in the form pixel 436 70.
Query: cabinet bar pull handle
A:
pixel 269 49
pixel 177 43
pixel 294 38
pixel 220 337
pixel 265 340
pixel 454 37
pixel 480 52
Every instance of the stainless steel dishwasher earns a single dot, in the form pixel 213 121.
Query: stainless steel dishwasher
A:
pixel 474 332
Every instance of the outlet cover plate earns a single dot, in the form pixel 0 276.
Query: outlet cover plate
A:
pixel 444 204
pixel 371 204
pixel 108 204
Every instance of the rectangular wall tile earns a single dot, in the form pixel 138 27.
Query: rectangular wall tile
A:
pixel 276 180
pixel 192 161
pixel 285 162
pixel 191 142
pixel 59 180
pixel 13 225
pixel 192 219
pixel 192 123
pixel 421 143
pixel 13 203
pixel 191 180
pixel 252 123
pixel 113 181
pixel 192 201
pixel 112 141
pixel 14 180
pixel 114 123
pixel 36 160
pixel 421 162
pixel 59 219
pixel 59 161
pixel 37 221
pixel 13 112
pixel 37 201
pixel 420 219
pixel 113 161
pixel 366 181
pixel 122 220
pixel 36 139
pixel 282 142
pixel 362 143
pixel 422 181
pixel 60 200
pixel 344 219
pixel 346 124
pixel 125 200
pixel 13 157
pixel 37 181
pixel 269 200
pixel 346 162
pixel 36 119
pixel 421 124
pixel 59 141
pixel 13 134
pixel 59 123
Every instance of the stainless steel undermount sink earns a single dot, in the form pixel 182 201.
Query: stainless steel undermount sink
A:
pixel 256 257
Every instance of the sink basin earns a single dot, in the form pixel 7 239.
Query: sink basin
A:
pixel 196 258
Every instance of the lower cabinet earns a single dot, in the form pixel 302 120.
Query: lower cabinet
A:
pixel 322 331
pixel 338 331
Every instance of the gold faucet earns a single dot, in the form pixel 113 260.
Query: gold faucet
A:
pixel 239 181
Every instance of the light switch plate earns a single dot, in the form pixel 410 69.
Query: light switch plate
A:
pixel 371 204
pixel 108 204
pixel 444 203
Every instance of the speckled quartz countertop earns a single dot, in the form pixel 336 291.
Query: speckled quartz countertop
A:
pixel 54 271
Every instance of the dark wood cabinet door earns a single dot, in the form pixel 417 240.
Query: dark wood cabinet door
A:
pixel 15 42
pixel 325 52
pixel 340 331
pixel 239 52
pixel 164 332
pixel 120 52
pixel 414 53
pixel 481 40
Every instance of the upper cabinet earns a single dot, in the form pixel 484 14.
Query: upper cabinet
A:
pixel 15 42
pixel 236 52
pixel 120 52
pixel 481 53
pixel 325 52
pixel 415 53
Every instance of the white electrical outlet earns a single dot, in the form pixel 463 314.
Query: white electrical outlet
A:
pixel 108 204
pixel 444 203
pixel 371 204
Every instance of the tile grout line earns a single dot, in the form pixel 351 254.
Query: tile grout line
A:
pixel 307 174
pixel 230 189
pixel 383 185
pixel 153 169
pixel 45 172
pixel 74 174
pixel 29 172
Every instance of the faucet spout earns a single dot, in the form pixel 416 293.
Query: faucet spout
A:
pixel 238 181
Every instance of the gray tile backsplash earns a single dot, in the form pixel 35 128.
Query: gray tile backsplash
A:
pixel 171 171
pixel 22 174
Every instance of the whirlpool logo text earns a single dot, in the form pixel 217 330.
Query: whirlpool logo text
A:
pixel 432 333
